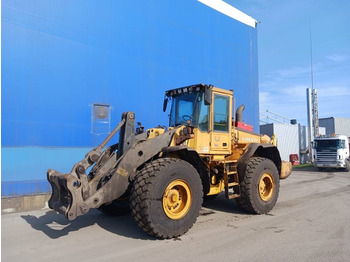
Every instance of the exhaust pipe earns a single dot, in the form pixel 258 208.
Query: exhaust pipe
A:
pixel 239 113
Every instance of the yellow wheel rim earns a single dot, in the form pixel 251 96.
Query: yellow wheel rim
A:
pixel 266 187
pixel 177 199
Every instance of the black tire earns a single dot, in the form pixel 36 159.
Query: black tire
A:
pixel 347 168
pixel 255 200
pixel 149 191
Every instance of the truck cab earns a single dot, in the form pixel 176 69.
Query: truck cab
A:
pixel 331 152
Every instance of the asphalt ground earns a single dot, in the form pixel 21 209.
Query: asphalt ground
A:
pixel 310 222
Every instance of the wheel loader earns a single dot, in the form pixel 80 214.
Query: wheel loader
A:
pixel 163 174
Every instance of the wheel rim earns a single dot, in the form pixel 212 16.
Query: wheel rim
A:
pixel 177 199
pixel 266 187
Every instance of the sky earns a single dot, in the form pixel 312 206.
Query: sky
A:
pixel 285 55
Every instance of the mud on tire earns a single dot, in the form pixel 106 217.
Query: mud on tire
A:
pixel 166 197
pixel 259 186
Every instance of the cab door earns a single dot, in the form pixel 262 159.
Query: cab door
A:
pixel 221 124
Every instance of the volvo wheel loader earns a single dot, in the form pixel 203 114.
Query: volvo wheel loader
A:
pixel 164 174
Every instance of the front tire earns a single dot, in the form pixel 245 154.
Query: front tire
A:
pixel 166 197
pixel 259 186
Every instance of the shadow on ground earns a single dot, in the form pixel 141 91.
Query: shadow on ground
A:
pixel 55 225
pixel 220 203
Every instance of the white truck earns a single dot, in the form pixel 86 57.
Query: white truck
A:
pixel 331 152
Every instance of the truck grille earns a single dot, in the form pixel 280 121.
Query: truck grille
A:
pixel 326 156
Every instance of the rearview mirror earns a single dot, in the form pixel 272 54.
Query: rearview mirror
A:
pixel 165 104
pixel 208 95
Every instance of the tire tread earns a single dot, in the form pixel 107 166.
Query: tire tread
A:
pixel 246 201
pixel 140 194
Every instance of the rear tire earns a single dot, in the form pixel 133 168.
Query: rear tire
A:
pixel 166 197
pixel 259 186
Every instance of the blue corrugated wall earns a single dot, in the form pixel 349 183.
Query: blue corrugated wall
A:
pixel 60 57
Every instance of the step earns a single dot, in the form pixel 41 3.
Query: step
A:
pixel 230 161
pixel 231 196
pixel 232 184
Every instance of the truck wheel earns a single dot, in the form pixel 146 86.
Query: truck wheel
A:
pixel 166 197
pixel 259 186
pixel 347 168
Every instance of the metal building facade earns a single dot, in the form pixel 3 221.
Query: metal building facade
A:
pixel 60 58
pixel 287 138
pixel 336 125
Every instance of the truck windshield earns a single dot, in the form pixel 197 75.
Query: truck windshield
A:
pixel 189 106
pixel 332 144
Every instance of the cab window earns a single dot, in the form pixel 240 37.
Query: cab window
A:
pixel 221 113
pixel 203 119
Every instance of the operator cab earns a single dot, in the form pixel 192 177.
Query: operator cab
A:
pixel 208 110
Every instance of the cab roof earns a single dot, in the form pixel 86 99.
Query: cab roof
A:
pixel 196 88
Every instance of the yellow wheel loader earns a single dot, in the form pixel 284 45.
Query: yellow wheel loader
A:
pixel 163 174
